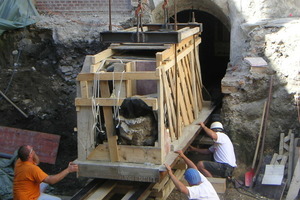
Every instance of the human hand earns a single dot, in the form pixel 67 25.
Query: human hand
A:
pixel 168 167
pixel 201 124
pixel 169 170
pixel 72 167
pixel 179 152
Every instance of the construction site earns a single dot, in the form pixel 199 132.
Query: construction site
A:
pixel 119 86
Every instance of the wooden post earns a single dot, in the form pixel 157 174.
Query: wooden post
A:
pixel 109 123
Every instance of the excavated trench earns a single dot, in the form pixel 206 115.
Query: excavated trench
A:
pixel 38 76
pixel 37 73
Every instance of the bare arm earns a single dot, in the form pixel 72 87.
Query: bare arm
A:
pixel 209 132
pixel 179 185
pixel 189 163
pixel 52 179
pixel 202 151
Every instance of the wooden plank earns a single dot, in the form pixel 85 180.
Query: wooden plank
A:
pixel 102 55
pixel 142 154
pixel 167 97
pixel 84 89
pixel 152 102
pixel 193 84
pixel 199 83
pixel 191 132
pixel 162 56
pixel 283 160
pixel 218 183
pixel 146 193
pixel 145 75
pixel 161 119
pixel 188 80
pixel 171 98
pixel 128 195
pixel 87 189
pixel 128 68
pixel 295 184
pixel 86 68
pixel 180 56
pixel 291 158
pixel 44 144
pixel 133 29
pixel 140 47
pixel 281 144
pixel 296 152
pixel 159 186
pixel 274 159
pixel 85 137
pixel 168 187
pixel 102 191
pixel 186 103
pixel 109 124
pixel 12 103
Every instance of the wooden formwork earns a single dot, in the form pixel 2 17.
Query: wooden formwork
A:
pixel 169 82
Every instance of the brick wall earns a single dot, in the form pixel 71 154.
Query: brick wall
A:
pixel 83 6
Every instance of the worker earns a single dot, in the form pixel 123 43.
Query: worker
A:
pixel 29 179
pixel 199 187
pixel 222 150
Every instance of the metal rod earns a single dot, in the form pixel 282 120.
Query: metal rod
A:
pixel 109 7
pixel 175 15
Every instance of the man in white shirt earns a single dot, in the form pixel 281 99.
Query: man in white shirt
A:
pixel 223 153
pixel 199 187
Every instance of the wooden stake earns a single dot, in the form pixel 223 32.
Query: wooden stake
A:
pixel 13 104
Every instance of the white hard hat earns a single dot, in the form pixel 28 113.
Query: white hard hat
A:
pixel 216 125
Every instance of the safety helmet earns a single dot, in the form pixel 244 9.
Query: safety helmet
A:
pixel 216 125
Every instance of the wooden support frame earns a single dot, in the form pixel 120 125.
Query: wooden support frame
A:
pixel 175 126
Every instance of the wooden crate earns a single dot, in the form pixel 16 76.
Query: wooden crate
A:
pixel 176 100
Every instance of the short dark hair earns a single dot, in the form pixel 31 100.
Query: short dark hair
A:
pixel 23 152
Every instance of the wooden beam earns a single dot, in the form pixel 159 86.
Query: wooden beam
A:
pixel 295 184
pixel 152 102
pixel 102 191
pixel 101 56
pixel 218 183
pixel 142 154
pixel 85 138
pixel 109 124
pixel 145 75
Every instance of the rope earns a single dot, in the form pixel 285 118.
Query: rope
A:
pixel 117 113
pixel 96 109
